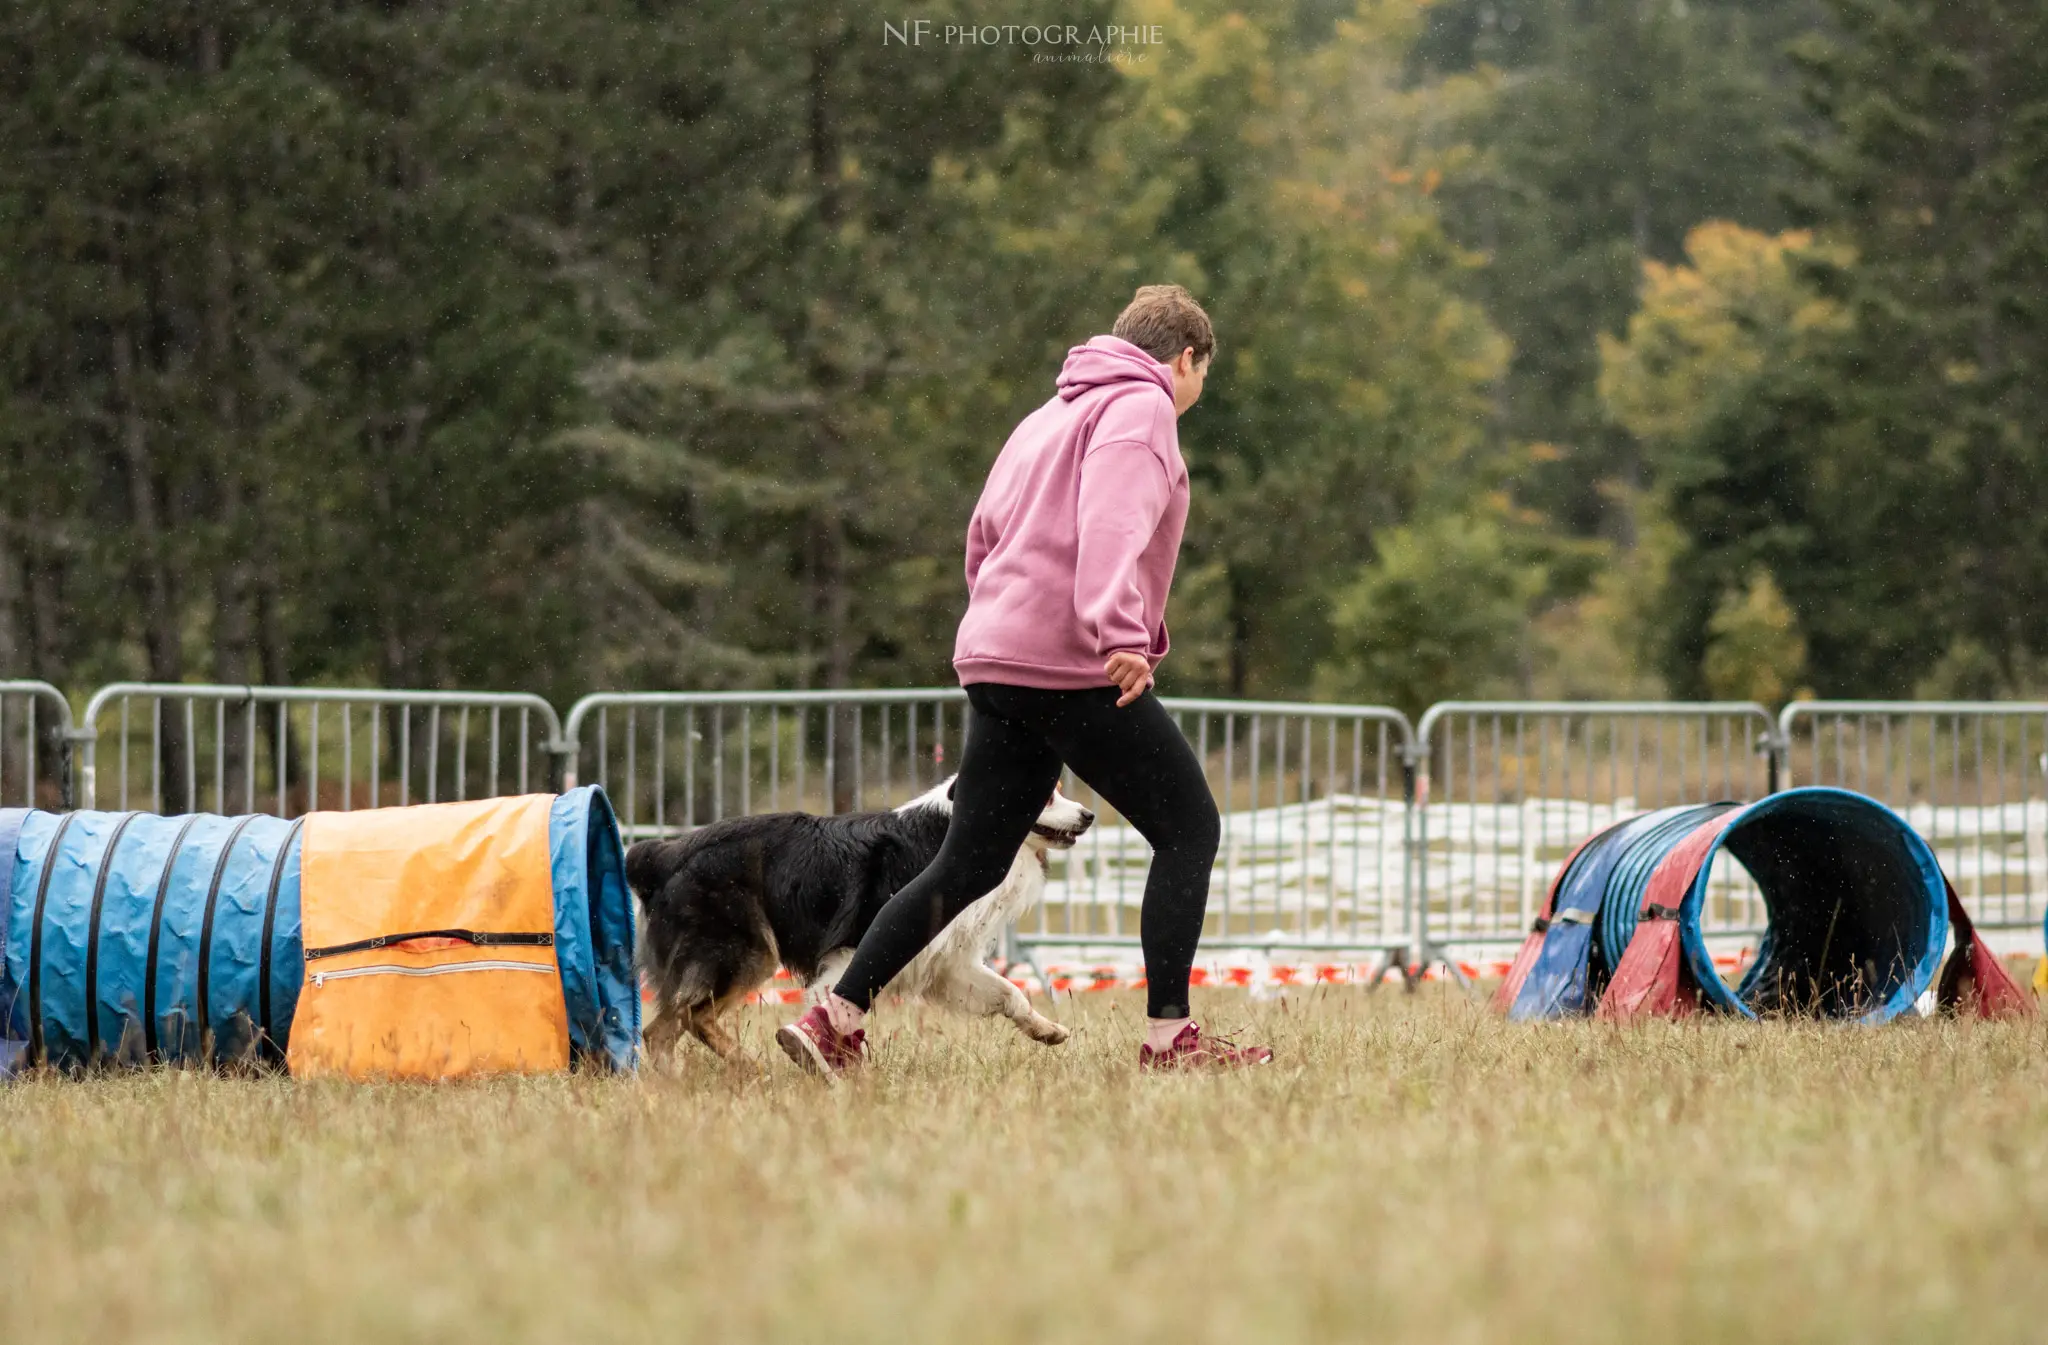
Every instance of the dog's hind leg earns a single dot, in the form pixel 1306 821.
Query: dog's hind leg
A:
pixel 705 1018
pixel 976 989
pixel 706 1027
pixel 658 1041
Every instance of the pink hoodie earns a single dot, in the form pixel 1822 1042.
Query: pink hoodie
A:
pixel 1072 546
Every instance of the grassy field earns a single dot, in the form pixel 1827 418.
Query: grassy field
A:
pixel 1410 1170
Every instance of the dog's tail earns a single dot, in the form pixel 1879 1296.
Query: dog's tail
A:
pixel 649 862
pixel 673 977
pixel 643 866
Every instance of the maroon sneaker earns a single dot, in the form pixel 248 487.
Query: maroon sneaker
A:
pixel 1192 1050
pixel 814 1044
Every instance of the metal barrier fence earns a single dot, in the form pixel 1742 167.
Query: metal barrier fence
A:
pixel 172 747
pixel 671 760
pixel 1971 777
pixel 1507 789
pixel 1313 797
pixel 1314 848
pixel 35 745
pixel 1343 828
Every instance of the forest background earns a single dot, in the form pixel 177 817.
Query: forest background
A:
pixel 1567 347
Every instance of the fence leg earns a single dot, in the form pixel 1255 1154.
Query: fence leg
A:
pixel 81 771
pixel 1416 768
pixel 1424 951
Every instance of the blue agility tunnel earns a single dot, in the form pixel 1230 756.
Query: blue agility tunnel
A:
pixel 1858 915
pixel 130 938
pixel 1857 904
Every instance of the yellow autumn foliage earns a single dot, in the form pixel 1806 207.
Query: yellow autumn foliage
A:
pixel 1705 331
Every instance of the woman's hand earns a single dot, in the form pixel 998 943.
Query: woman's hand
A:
pixel 1131 673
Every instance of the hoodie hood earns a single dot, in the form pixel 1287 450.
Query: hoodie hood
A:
pixel 1109 359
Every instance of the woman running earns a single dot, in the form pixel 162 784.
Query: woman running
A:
pixel 1070 554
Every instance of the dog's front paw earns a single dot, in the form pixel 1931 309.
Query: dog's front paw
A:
pixel 1047 1031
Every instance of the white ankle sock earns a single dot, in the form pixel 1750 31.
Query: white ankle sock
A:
pixel 842 1014
pixel 1160 1032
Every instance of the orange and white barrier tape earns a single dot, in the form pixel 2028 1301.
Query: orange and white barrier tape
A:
pixel 1081 978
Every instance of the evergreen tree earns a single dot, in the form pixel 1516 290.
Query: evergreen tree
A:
pixel 1934 169
pixel 798 401
pixel 1616 127
pixel 1285 175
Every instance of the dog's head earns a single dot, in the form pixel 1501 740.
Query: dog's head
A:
pixel 1060 823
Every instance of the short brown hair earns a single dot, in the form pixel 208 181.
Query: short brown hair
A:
pixel 1164 320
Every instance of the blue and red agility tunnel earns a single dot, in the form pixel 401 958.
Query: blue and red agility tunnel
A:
pixel 1858 911
pixel 129 938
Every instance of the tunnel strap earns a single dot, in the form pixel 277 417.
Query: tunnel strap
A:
pixel 35 943
pixel 269 934
pixel 92 941
pixel 1539 929
pixel 481 939
pixel 156 931
pixel 220 870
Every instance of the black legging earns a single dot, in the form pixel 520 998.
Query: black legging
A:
pixel 1017 737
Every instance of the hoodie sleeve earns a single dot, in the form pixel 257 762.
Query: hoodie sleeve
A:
pixel 1124 492
pixel 978 546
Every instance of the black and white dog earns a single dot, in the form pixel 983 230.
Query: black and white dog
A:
pixel 724 905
